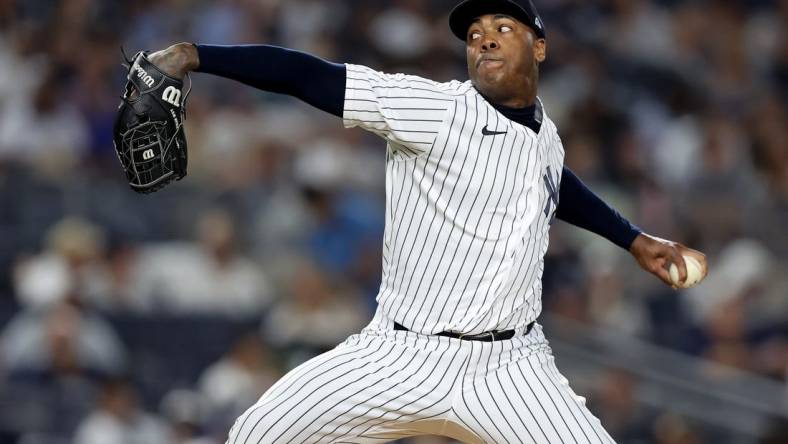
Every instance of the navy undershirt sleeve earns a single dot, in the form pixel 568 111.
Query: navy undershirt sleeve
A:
pixel 285 71
pixel 579 206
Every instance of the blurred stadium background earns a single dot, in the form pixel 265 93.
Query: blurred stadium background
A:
pixel 157 319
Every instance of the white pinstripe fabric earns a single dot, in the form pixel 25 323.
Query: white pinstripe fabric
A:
pixel 383 385
pixel 465 231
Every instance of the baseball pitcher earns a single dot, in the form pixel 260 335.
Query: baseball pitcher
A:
pixel 475 178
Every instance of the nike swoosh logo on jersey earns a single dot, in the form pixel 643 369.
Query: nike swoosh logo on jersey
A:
pixel 486 132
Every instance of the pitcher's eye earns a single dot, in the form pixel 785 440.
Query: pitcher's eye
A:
pixel 505 28
pixel 475 35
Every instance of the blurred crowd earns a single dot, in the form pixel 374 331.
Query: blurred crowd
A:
pixel 158 319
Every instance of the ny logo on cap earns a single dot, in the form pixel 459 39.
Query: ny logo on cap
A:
pixel 538 23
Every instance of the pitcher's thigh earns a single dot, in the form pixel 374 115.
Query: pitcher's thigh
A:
pixel 363 393
pixel 529 401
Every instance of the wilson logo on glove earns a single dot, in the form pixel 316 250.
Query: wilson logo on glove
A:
pixel 172 95
pixel 148 134
pixel 144 76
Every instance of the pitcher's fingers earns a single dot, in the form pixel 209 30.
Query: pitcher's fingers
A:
pixel 678 259
pixel 664 275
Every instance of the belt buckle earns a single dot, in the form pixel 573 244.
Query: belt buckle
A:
pixel 479 336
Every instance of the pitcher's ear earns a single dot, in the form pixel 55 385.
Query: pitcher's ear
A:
pixel 540 50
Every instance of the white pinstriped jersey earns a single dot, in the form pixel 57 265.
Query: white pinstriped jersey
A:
pixel 470 196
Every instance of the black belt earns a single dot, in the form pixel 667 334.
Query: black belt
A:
pixel 488 336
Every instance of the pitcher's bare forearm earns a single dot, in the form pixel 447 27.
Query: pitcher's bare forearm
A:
pixel 177 60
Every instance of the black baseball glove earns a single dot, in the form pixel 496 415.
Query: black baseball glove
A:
pixel 148 134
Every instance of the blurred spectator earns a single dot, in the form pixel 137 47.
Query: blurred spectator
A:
pixel 119 419
pixel 305 23
pixel 53 357
pixel 402 31
pixel 61 339
pixel 237 380
pixel 44 129
pixel 186 411
pixel 314 302
pixel 346 220
pixel 70 267
pixel 738 269
pixel 22 64
pixel 209 276
pixel 614 404
pixel 641 31
pixel 670 428
pixel 608 302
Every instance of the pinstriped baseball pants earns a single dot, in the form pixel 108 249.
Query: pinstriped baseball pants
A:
pixel 383 385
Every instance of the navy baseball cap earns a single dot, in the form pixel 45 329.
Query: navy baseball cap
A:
pixel 466 12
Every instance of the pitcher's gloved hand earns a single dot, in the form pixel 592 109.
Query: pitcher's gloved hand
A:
pixel 148 133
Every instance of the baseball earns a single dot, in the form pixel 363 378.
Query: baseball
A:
pixel 694 273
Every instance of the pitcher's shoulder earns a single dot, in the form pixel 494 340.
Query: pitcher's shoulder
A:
pixel 456 88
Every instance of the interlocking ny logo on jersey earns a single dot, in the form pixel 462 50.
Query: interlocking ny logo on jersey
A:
pixel 172 95
pixel 552 191
pixel 486 132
